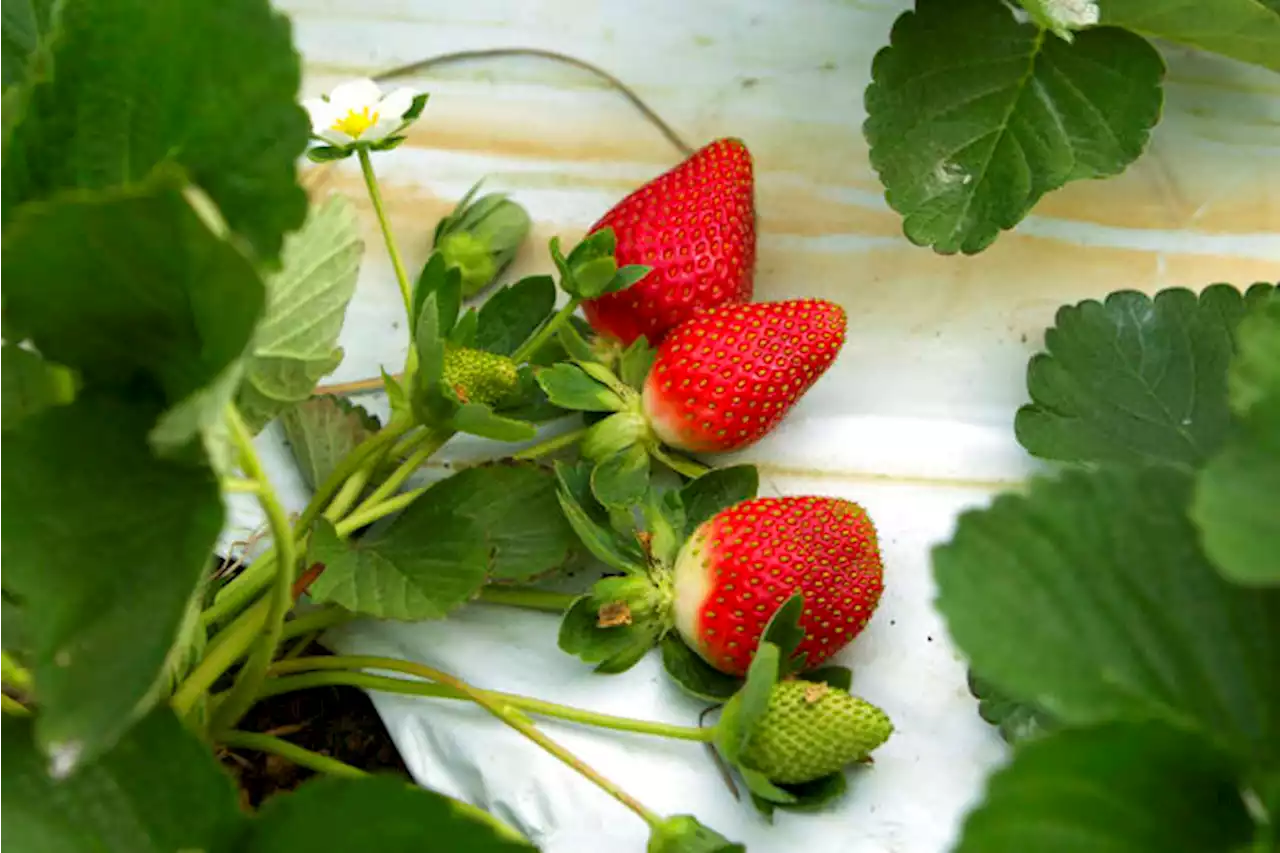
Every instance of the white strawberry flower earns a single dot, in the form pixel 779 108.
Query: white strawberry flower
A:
pixel 357 114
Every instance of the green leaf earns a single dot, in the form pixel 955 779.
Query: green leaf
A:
pixel 335 815
pixel 322 431
pixel 513 507
pixel 150 291
pixel 1248 30
pixel 1122 787
pixel 972 116
pixel 614 649
pixel 719 488
pixel 27 28
pixel 622 480
pixel 1255 372
pixel 839 677
pixel 569 387
pixel 511 315
pixel 1016 721
pixel 31 384
pixel 1135 378
pixel 1235 502
pixel 13 631
pixel 408 572
pixel 158 790
pixel 693 674
pixel 296 342
pixel 1091 596
pixel 129 95
pixel 104 544
pixel 683 834
pixel 530 402
pixel 637 359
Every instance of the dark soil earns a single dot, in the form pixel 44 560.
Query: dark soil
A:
pixel 336 721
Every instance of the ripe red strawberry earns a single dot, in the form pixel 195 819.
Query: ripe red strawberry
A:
pixel 743 563
pixel 724 379
pixel 695 226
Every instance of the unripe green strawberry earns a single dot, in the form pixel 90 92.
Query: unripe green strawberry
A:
pixel 477 376
pixel 811 730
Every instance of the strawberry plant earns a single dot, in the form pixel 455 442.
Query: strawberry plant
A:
pixel 171 291
pixel 978 108
pixel 1123 615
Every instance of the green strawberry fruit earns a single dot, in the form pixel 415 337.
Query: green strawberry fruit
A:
pixel 477 376
pixel 811 730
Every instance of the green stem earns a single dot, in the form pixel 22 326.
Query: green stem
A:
pixel 239 485
pixel 367 455
pixel 527 597
pixel 428 443
pixel 509 714
pixel 375 195
pixel 530 347
pixel 236 739
pixel 279 601
pixel 348 494
pixel 241 590
pixel 368 515
pixel 317 620
pixel 345 665
pixel 551 445
pixel 227 647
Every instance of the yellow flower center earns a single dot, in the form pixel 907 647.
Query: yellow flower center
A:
pixel 355 122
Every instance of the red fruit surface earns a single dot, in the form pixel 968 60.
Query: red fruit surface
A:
pixel 722 380
pixel 740 566
pixel 695 226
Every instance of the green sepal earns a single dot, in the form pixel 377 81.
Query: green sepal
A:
pixel 637 360
pixel 745 710
pixel 622 480
pixel 569 387
pixel 833 675
pixel 575 345
pixel 664 518
pixel 784 632
pixel 694 675
pixel 446 283
pixel 615 434
pixel 612 649
pixel 479 419
pixel 760 786
pixel 683 834
pixel 806 797
pixel 464 333
pixel 328 153
pixel 481 238
pixel 718 489
pixel 575 499
pixel 387 143
pixel 416 107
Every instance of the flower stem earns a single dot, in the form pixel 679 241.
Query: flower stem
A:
pixel 236 739
pixel 508 712
pixel 281 597
pixel 226 648
pixel 368 515
pixel 240 485
pixel 428 443
pixel 527 597
pixel 375 195
pixel 530 347
pixel 349 664
pixel 315 621
pixel 551 445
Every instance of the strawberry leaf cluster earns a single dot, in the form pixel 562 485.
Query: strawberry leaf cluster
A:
pixel 1122 617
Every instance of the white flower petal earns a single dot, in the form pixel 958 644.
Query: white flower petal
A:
pixel 321 112
pixel 356 95
pixel 383 127
pixel 397 103
pixel 334 137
